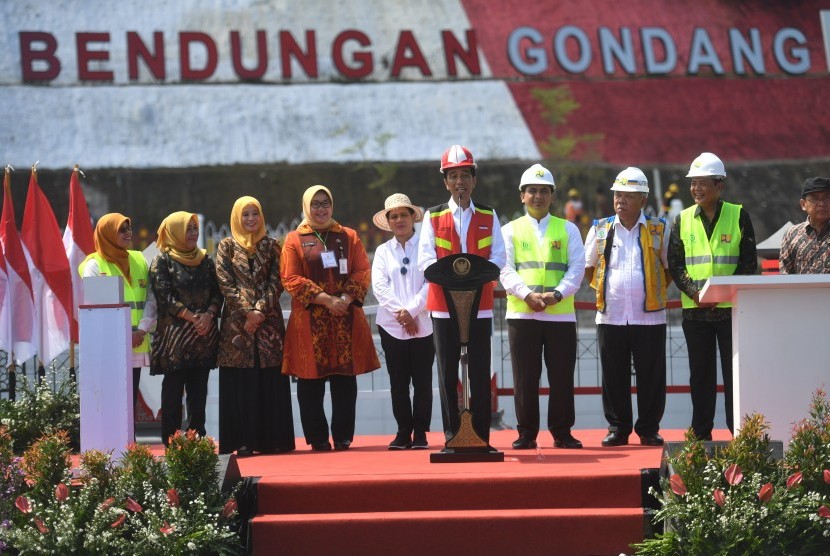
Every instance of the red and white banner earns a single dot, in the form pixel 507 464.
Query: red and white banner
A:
pixel 23 329
pixel 49 267
pixel 78 242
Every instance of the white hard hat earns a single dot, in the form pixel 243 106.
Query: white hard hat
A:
pixel 706 165
pixel 537 174
pixel 631 180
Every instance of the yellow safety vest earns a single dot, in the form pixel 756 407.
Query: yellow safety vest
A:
pixel 714 256
pixel 541 267
pixel 654 275
pixel 135 294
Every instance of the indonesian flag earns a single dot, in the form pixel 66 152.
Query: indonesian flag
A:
pixel 77 242
pixel 49 267
pixel 5 318
pixel 23 333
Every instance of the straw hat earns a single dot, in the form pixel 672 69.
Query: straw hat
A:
pixel 396 200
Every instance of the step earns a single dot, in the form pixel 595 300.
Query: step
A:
pixel 422 493
pixel 560 531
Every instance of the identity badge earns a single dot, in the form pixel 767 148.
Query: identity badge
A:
pixel 344 266
pixel 329 261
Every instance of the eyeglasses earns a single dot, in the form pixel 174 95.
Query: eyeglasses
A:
pixel 405 262
pixel 318 205
pixel 818 200
pixel 124 229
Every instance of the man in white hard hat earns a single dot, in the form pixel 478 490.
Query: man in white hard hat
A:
pixel 545 265
pixel 626 263
pixel 711 238
pixel 461 226
pixel 805 248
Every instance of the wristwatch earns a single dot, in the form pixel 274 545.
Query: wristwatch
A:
pixel 557 295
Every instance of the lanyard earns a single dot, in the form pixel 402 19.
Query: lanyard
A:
pixel 323 241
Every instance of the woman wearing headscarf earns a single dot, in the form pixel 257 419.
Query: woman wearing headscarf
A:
pixel 184 347
pixel 254 396
pixel 113 235
pixel 325 269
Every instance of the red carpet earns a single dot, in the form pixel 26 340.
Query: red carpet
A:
pixel 369 500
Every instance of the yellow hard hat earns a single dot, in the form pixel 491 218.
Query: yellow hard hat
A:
pixel 673 188
pixel 573 192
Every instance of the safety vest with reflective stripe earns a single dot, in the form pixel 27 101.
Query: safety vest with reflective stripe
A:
pixel 655 278
pixel 447 242
pixel 541 267
pixel 135 294
pixel 714 256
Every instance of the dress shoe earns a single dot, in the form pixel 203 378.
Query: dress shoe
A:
pixel 341 445
pixel 244 452
pixel 615 438
pixel 321 447
pixel 651 440
pixel 401 442
pixel 567 441
pixel 419 441
pixel 524 443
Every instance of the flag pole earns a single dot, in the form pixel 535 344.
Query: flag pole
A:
pixel 12 379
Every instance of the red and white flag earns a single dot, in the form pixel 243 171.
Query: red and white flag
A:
pixel 78 242
pixel 5 317
pixel 23 334
pixel 49 268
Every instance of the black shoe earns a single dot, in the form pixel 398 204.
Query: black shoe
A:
pixel 419 441
pixel 615 438
pixel 651 440
pixel 567 441
pixel 321 447
pixel 524 443
pixel 341 445
pixel 244 452
pixel 401 442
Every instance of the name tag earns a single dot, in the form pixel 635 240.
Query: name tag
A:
pixel 344 266
pixel 329 261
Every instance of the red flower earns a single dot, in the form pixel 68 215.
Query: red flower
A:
pixel 105 505
pixel 794 480
pixel 827 476
pixel 229 508
pixel 733 474
pixel 120 521
pixel 132 505
pixel 173 497
pixel 765 493
pixel 824 512
pixel 22 504
pixel 40 526
pixel 61 492
pixel 719 496
pixel 677 485
pixel 166 529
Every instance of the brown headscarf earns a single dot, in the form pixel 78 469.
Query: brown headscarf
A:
pixel 171 240
pixel 307 196
pixel 106 238
pixel 246 239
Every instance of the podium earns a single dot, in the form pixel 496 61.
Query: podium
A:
pixel 780 345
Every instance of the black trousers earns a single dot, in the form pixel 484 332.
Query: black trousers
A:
pixel 409 362
pixel 530 341
pixel 173 386
pixel 136 380
pixel 448 352
pixel 647 345
pixel 702 339
pixel 310 395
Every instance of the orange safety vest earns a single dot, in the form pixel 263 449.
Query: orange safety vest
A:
pixel 447 242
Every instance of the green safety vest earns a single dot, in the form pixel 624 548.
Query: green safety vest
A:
pixel 714 256
pixel 541 267
pixel 135 294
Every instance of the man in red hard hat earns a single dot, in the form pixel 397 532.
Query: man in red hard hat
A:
pixel 461 226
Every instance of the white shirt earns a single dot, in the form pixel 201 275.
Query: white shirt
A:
pixel 148 317
pixel 395 291
pixel 569 285
pixel 625 291
pixel 461 217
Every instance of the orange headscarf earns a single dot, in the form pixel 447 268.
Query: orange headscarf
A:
pixel 246 239
pixel 106 242
pixel 307 196
pixel 171 240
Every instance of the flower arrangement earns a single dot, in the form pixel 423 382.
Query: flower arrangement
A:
pixel 39 410
pixel 138 505
pixel 738 500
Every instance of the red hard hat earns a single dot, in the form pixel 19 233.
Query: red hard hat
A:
pixel 457 157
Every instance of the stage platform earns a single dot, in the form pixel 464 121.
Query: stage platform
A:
pixel 370 500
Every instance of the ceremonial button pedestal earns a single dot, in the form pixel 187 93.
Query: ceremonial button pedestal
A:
pixel 105 377
pixel 780 347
